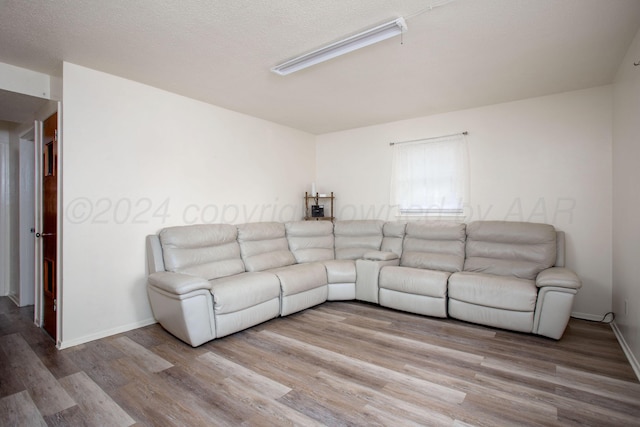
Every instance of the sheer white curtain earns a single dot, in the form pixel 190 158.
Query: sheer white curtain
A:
pixel 430 175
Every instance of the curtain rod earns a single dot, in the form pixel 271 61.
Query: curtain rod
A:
pixel 427 139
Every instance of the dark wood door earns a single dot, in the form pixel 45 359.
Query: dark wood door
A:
pixel 49 223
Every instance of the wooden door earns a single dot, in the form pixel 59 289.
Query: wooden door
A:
pixel 49 223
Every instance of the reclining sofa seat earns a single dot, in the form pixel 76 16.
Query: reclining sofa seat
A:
pixel 431 251
pixel 513 278
pixel 264 248
pixel 312 241
pixel 198 287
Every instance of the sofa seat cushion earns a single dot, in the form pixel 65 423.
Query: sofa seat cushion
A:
pixel 300 277
pixel 341 271
pixel 244 290
pixel 414 281
pixel 503 292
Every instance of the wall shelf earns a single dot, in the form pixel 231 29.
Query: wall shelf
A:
pixel 318 200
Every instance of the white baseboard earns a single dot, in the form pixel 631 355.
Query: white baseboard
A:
pixel 588 316
pixel 627 351
pixel 14 298
pixel 103 334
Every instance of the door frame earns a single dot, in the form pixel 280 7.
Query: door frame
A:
pixel 5 224
pixel 38 311
pixel 37 200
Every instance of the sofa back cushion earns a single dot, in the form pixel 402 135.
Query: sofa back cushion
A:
pixel 393 236
pixel 519 249
pixel 434 246
pixel 263 245
pixel 355 238
pixel 310 241
pixel 210 250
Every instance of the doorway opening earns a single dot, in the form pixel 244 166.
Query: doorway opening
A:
pixel 23 289
pixel 23 227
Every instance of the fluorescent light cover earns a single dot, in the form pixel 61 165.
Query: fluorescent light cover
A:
pixel 357 41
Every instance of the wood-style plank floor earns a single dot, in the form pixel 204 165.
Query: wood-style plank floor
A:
pixel 341 363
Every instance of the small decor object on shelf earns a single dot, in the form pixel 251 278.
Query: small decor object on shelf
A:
pixel 317 210
pixel 314 206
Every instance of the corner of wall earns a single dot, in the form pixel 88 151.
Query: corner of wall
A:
pixel 626 204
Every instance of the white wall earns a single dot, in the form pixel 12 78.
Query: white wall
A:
pixel 544 159
pixel 136 159
pixel 626 202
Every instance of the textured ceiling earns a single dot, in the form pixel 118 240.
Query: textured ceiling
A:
pixel 455 55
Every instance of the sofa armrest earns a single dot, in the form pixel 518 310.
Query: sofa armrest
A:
pixel 177 283
pixel 367 273
pixel 380 256
pixel 559 277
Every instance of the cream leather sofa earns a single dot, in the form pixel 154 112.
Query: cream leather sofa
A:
pixel 208 281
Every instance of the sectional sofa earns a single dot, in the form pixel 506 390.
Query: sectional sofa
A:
pixel 211 280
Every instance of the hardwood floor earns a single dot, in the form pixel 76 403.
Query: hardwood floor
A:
pixel 341 363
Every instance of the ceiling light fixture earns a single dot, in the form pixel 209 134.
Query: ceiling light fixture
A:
pixel 349 44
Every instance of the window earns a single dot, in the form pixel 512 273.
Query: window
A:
pixel 430 176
